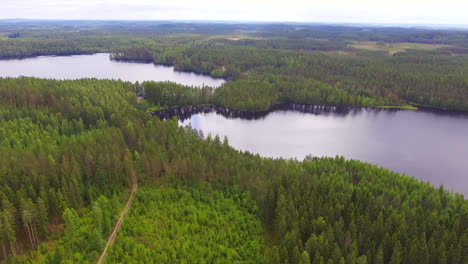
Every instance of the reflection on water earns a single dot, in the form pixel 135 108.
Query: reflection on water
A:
pixel 101 67
pixel 430 146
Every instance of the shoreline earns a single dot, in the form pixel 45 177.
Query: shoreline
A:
pixel 185 112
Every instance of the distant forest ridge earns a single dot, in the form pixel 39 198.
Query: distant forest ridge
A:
pixel 268 64
pixel 399 32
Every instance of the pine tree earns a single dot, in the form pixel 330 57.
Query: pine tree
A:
pixel 305 258
pixel 43 218
pixel 96 241
pixel 361 260
pixel 379 258
pixel 396 254
pixel 70 218
pixel 275 255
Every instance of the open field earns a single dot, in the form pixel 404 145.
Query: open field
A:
pixel 392 48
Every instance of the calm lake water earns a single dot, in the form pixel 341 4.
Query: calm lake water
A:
pixel 101 67
pixel 428 146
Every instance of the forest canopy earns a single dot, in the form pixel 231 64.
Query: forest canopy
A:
pixel 73 145
pixel 311 64
pixel 70 149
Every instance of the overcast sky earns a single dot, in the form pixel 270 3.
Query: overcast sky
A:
pixel 373 11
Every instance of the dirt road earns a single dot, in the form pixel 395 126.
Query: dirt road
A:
pixel 112 237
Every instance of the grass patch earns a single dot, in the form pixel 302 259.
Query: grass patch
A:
pixel 146 106
pixel 409 107
pixel 155 108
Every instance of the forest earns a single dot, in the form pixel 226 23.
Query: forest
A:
pixel 183 225
pixel 268 64
pixel 70 148
pixel 261 77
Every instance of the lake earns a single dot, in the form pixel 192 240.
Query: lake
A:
pixel 429 146
pixel 101 67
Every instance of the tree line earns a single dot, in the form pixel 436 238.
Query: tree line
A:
pixel 365 79
pixel 71 145
pixel 294 59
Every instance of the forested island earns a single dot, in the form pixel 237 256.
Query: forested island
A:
pixel 72 149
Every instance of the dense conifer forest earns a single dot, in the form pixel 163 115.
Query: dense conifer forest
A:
pixel 70 149
pixel 268 64
pixel 263 76
pixel 73 145
pixel 190 225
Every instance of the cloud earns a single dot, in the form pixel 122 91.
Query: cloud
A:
pixel 383 11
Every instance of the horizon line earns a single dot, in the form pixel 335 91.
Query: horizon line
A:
pixel 241 21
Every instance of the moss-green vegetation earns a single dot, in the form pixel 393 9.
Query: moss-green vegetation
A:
pixel 190 225
pixel 408 107
pixel 156 108
pixel 146 106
